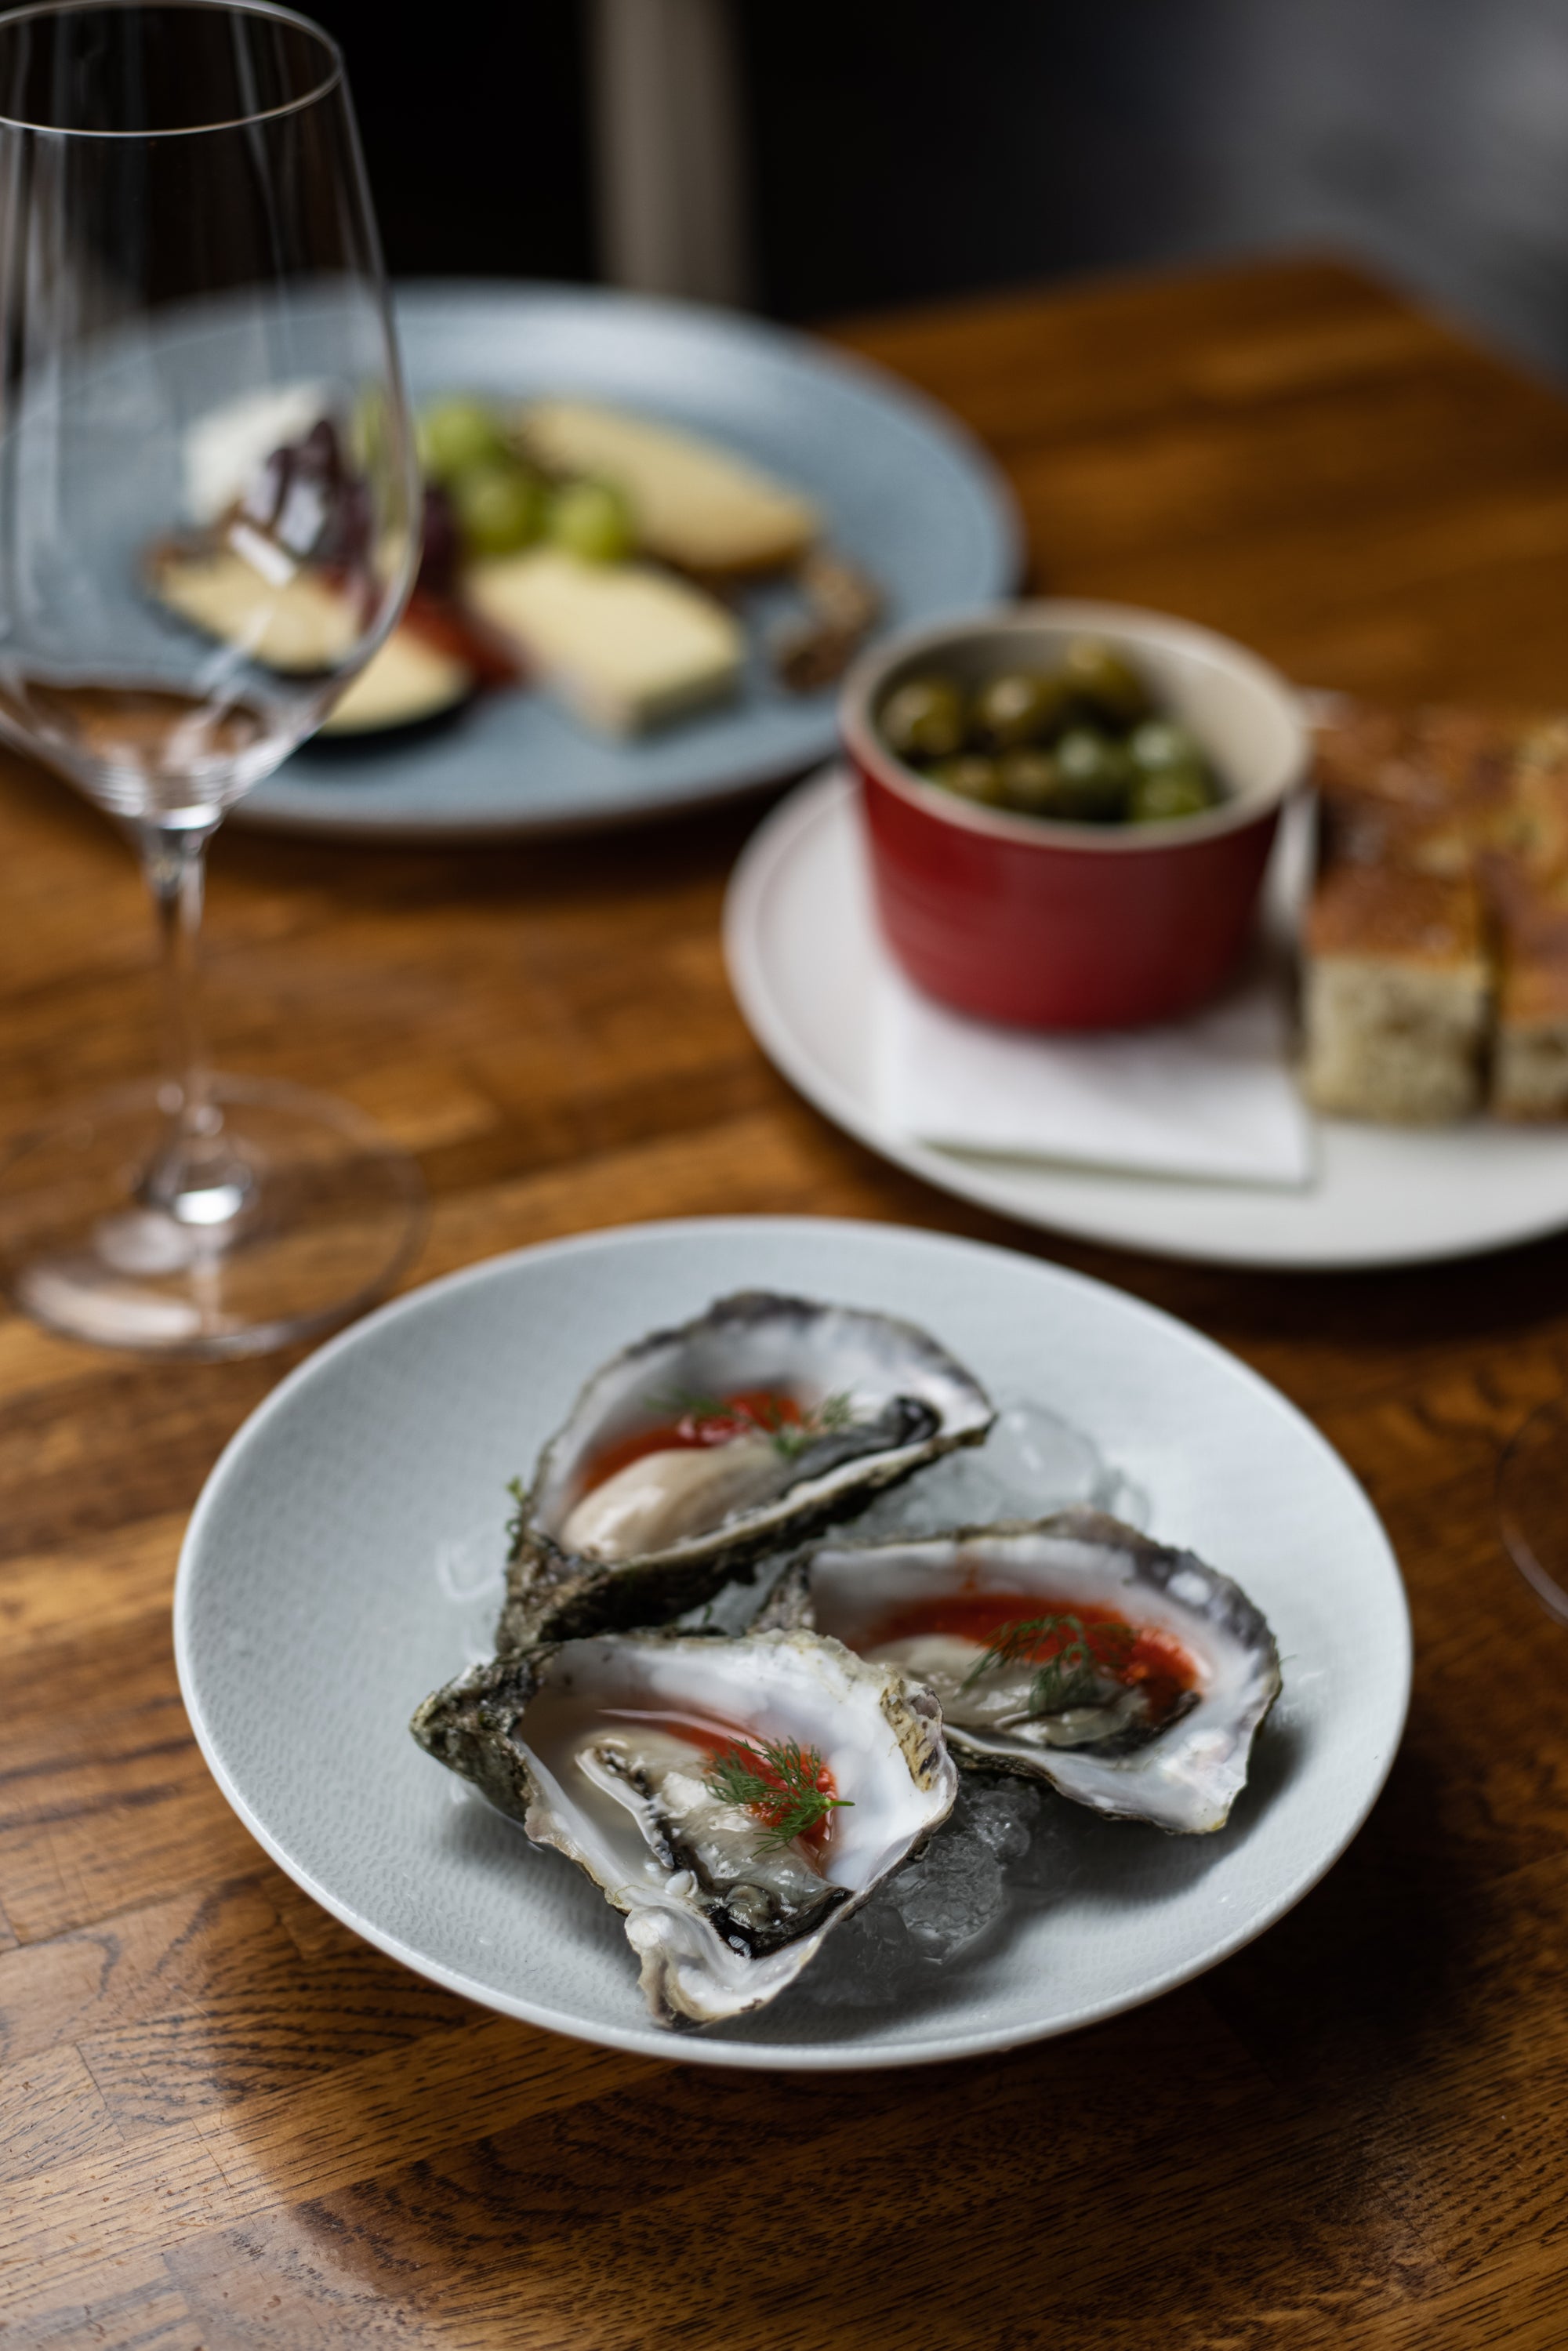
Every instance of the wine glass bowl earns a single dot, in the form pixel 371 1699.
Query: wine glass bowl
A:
pixel 1533 1503
pixel 208 524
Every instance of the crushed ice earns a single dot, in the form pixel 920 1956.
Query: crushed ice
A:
pixel 471 1575
pixel 993 1848
pixel 1032 1462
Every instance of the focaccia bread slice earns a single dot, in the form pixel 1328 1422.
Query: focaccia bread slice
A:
pixel 1396 994
pixel 1436 946
pixel 1534 839
pixel 1530 1053
pixel 1428 790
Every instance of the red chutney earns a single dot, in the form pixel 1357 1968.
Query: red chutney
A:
pixel 1128 1654
pixel 741 1415
pixel 717 1739
pixel 452 630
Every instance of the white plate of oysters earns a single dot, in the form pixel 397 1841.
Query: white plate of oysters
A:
pixel 845 1646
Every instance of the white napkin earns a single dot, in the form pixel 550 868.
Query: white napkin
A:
pixel 1210 1096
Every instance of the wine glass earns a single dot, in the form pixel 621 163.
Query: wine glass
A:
pixel 1530 1491
pixel 207 526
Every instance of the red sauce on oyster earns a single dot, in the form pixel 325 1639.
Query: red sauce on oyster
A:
pixel 1127 1653
pixel 744 1414
pixel 715 1740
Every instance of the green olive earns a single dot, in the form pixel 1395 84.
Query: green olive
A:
pixel 498 506
pixel 1097 776
pixel 591 519
pixel 971 776
pixel 1098 675
pixel 1031 783
pixel 1018 707
pixel 923 719
pixel 1161 743
pixel 454 434
pixel 1172 792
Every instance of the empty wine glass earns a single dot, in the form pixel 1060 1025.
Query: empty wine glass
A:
pixel 1532 1476
pixel 207 526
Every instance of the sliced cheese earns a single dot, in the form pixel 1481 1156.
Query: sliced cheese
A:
pixel 693 505
pixel 295 624
pixel 405 680
pixel 625 646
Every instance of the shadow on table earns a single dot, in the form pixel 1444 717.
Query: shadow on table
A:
pixel 1220 2152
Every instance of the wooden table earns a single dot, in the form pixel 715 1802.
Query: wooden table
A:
pixel 225 2122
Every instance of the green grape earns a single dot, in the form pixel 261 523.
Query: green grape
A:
pixel 456 434
pixel 591 519
pixel 498 506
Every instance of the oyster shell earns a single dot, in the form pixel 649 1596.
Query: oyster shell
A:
pixel 601 1748
pixel 1138 1692
pixel 664 1531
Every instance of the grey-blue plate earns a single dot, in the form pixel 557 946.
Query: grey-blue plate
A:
pixel 346 1554
pixel 907 493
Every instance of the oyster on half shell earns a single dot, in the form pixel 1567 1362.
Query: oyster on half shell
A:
pixel 605 1749
pixel 1130 1676
pixel 697 1450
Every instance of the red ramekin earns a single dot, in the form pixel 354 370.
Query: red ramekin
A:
pixel 1050 925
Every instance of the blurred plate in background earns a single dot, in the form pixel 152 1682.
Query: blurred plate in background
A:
pixel 907 493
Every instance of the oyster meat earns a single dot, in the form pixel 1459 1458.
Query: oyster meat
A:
pixel 697 1450
pixel 1130 1676
pixel 672 1769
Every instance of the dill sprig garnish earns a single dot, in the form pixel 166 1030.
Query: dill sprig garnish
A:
pixel 1071 1672
pixel 823 1420
pixel 779 1780
pixel 768 1419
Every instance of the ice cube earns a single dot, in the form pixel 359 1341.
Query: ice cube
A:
pixel 866 1961
pixel 1033 1462
pixel 951 1896
pixel 1040 1461
pixel 1002 1814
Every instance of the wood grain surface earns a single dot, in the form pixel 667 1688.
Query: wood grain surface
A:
pixel 224 2122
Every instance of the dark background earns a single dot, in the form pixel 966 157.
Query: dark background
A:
pixel 930 147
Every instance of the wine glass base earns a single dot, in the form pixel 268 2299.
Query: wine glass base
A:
pixel 329 1218
pixel 1533 1504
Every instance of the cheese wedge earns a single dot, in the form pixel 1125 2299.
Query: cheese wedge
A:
pixel 627 648
pixel 405 680
pixel 297 623
pixel 693 505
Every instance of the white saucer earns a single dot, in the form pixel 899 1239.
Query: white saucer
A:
pixel 345 1558
pixel 802 948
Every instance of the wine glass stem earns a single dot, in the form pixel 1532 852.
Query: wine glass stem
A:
pixel 195 1175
